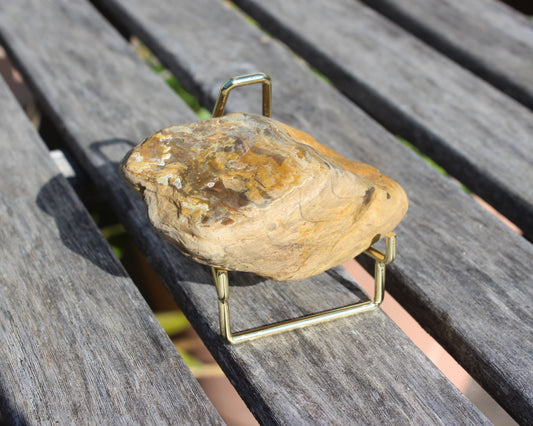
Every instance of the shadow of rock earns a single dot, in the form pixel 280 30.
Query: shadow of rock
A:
pixel 9 414
pixel 245 279
pixel 76 228
pixel 346 283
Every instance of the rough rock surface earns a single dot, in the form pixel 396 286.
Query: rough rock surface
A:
pixel 245 192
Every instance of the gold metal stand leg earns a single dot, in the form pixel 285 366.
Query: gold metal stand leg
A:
pixel 222 285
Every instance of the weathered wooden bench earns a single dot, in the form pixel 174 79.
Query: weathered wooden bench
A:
pixel 79 343
pixel 460 272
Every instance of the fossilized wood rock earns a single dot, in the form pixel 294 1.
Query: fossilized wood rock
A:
pixel 245 192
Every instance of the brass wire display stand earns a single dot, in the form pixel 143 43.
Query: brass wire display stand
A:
pixel 222 285
pixel 221 276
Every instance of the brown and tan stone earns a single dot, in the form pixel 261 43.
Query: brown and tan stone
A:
pixel 245 192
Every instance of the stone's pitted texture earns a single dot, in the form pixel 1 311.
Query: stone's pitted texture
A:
pixel 245 192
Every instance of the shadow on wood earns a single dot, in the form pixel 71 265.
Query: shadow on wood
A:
pixel 8 413
pixel 69 216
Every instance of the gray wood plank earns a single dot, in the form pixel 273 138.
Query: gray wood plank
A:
pixel 358 370
pixel 486 36
pixel 79 344
pixel 461 273
pixel 473 130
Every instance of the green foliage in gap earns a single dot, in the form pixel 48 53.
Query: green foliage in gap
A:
pixel 145 54
pixel 111 228
pixel 432 163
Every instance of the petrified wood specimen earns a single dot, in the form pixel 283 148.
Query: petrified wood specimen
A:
pixel 245 192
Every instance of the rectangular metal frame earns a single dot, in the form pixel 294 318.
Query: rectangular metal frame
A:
pixel 222 285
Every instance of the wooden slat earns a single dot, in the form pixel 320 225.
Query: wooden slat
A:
pixel 473 130
pixel 486 36
pixel 358 369
pixel 78 343
pixel 462 274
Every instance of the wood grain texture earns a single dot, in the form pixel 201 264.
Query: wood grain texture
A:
pixel 79 344
pixel 467 126
pixel 460 272
pixel 358 370
pixel 486 36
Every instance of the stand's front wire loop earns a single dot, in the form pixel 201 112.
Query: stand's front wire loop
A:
pixel 222 285
pixel 245 80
